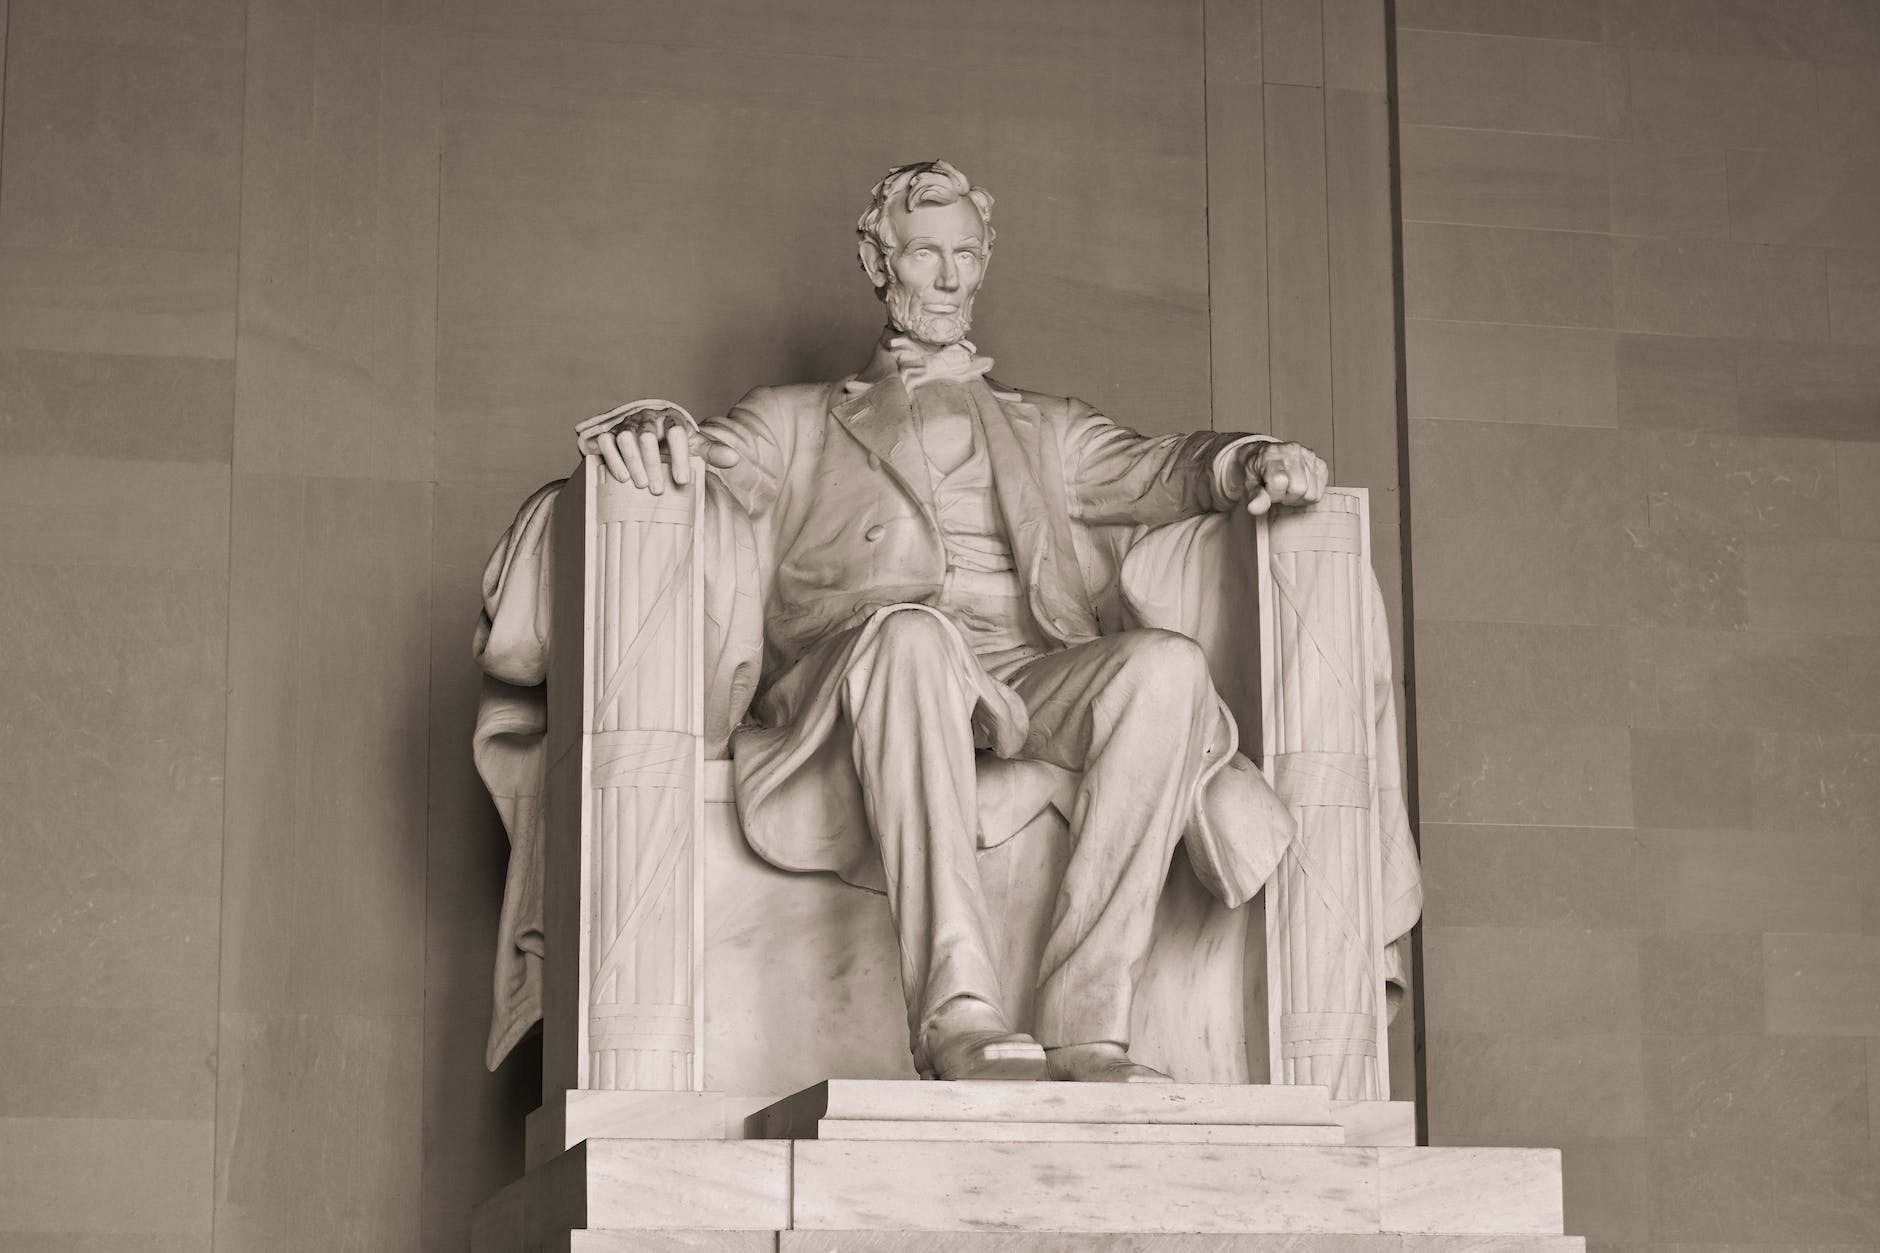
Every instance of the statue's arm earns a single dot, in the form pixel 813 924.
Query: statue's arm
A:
pixel 655 444
pixel 1116 475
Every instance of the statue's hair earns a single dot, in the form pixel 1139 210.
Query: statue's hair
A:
pixel 922 183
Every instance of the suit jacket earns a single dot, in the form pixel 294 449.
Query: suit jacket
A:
pixel 831 500
pixel 836 477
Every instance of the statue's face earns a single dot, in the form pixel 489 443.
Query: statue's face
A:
pixel 935 271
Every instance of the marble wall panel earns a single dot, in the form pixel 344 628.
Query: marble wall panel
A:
pixel 1823 586
pixel 327 730
pixel 1541 19
pixel 214 22
pixel 1482 1088
pixel 1606 1187
pixel 1700 881
pixel 1850 107
pixel 1494 672
pixel 1666 191
pixel 1779 1090
pixel 104 1061
pixel 1525 570
pixel 1824 391
pixel 74 404
pixel 1484 274
pixel 1292 42
pixel 1858 469
pixel 1488 876
pixel 1719 101
pixel 1810 782
pixel 1744 680
pixel 1684 577
pixel 1730 482
pixel 1701 983
pixel 1674 381
pixel 1818 30
pixel 117 143
pixel 1509 470
pixel 1854 298
pixel 105 1182
pixel 1709 287
pixel 118 300
pixel 1498 178
pixel 1356 56
pixel 1364 333
pixel 1299 339
pixel 1745 1192
pixel 1679 25
pixel 1530 85
pixel 1546 981
pixel 1236 157
pixel 336 369
pixel 1487 372
pixel 293 1170
pixel 1691 777
pixel 1821 985
pixel 1805 198
pixel 1521 774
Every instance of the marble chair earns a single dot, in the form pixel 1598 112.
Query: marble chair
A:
pixel 696 967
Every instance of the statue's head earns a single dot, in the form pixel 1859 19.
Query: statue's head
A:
pixel 926 238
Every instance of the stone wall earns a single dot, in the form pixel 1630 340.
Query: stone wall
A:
pixel 1641 251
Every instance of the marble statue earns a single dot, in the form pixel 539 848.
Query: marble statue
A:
pixel 926 604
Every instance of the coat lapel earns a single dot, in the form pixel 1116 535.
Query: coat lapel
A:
pixel 1031 498
pixel 881 418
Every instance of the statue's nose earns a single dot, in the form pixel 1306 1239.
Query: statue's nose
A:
pixel 949 274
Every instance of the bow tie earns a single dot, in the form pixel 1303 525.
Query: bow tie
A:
pixel 956 363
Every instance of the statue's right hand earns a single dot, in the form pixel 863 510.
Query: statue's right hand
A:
pixel 639 441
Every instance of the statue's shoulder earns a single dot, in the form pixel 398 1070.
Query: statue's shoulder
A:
pixel 1051 408
pixel 787 400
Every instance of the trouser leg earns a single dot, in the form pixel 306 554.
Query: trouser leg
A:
pixel 1132 712
pixel 911 712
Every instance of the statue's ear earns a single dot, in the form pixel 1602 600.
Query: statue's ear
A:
pixel 873 263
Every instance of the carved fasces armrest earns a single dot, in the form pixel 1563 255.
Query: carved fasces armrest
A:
pixel 624 800
pixel 1319 686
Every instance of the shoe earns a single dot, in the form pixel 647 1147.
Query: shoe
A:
pixel 1098 1063
pixel 968 1039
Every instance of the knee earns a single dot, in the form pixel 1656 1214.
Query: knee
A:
pixel 911 633
pixel 1168 662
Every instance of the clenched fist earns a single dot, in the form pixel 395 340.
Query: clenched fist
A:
pixel 1278 474
pixel 641 440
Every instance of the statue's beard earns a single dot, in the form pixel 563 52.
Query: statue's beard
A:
pixel 937 330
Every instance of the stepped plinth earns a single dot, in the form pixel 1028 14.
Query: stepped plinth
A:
pixel 893 1166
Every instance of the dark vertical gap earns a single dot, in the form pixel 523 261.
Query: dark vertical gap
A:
pixel 1410 773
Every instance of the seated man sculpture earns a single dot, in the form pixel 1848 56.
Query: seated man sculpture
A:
pixel 926 603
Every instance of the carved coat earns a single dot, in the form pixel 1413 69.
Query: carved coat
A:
pixel 835 484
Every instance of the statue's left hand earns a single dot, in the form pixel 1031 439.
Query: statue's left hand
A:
pixel 1282 474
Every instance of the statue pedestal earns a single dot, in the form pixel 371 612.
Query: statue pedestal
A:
pixel 874 1166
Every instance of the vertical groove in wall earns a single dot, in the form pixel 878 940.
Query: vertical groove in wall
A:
pixel 1403 524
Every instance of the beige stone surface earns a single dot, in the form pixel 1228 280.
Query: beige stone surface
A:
pixel 1553 87
pixel 106 1179
pixel 1487 372
pixel 1495 274
pixel 1176 1103
pixel 1079 1132
pixel 846 1185
pixel 642 1184
pixel 1099 1242
pixel 1462 1190
pixel 1498 178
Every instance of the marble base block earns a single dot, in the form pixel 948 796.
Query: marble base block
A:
pixel 1188 1242
pixel 737 1185
pixel 886 1166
